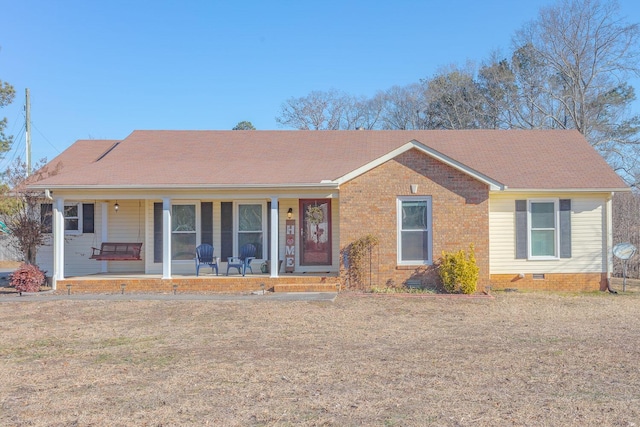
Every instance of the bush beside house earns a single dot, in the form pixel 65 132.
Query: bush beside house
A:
pixel 459 271
pixel 27 278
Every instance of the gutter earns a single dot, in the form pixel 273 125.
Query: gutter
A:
pixel 566 190
pixel 322 185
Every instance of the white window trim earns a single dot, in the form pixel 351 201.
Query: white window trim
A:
pixel 64 222
pixel 197 231
pixel 556 218
pixel 236 225
pixel 399 201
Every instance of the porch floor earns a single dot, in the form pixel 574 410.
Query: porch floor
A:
pixel 140 282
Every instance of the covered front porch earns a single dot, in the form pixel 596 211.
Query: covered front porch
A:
pixel 296 241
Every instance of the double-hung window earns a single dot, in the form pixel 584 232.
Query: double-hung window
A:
pixel 73 218
pixel 543 229
pixel 251 226
pixel 183 231
pixel 414 230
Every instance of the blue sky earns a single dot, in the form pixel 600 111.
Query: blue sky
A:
pixel 101 69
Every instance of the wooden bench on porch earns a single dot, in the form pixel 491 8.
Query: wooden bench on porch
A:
pixel 110 251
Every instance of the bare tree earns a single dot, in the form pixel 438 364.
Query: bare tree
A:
pixel 331 110
pixel 405 107
pixel 626 229
pixel 361 112
pixel 20 207
pixel 316 111
pixel 373 110
pixel 571 65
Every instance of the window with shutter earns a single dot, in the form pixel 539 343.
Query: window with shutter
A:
pixel 78 218
pixel 543 229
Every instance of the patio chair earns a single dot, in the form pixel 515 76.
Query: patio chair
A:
pixel 204 256
pixel 242 262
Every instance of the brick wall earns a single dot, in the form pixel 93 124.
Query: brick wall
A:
pixel 460 214
pixel 208 283
pixel 551 282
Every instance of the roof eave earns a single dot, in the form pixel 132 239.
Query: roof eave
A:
pixel 322 185
pixel 568 190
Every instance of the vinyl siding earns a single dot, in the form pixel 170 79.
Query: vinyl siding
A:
pixel 77 249
pixel 44 256
pixel 588 236
pixel 126 225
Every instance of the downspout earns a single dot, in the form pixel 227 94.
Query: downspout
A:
pixel 609 231
pixel 48 196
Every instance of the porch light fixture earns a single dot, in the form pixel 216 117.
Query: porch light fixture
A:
pixel 116 206
pixel 290 213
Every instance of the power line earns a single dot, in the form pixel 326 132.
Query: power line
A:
pixel 19 138
pixel 45 138
pixel 17 145
pixel 16 121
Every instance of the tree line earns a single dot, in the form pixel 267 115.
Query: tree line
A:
pixel 567 69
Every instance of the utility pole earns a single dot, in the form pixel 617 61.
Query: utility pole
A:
pixel 27 109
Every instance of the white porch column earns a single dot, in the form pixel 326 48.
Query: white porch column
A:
pixel 104 233
pixel 58 240
pixel 275 237
pixel 166 238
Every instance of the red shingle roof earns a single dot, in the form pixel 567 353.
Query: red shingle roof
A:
pixel 537 159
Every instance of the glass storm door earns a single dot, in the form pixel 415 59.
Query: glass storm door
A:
pixel 315 233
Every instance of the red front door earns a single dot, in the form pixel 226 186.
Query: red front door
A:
pixel 315 232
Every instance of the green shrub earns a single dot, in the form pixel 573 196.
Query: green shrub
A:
pixel 27 278
pixel 459 272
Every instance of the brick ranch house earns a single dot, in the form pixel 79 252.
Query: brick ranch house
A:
pixel 535 204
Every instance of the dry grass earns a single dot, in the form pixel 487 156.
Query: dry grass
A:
pixel 521 359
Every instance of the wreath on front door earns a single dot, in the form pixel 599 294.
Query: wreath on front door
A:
pixel 315 215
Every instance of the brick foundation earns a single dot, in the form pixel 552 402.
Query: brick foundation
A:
pixel 220 284
pixel 552 282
